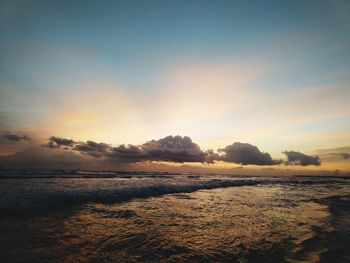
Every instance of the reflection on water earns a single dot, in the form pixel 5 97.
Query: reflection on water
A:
pixel 264 223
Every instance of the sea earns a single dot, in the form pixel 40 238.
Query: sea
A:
pixel 174 218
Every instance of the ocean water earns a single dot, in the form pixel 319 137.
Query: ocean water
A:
pixel 175 218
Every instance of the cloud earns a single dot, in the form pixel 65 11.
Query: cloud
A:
pixel 245 153
pixel 62 141
pixel 15 137
pixel 128 154
pixel 174 149
pixel 171 148
pixel 298 158
pixel 211 156
pixel 92 148
pixel 178 149
pixel 58 142
pixel 51 145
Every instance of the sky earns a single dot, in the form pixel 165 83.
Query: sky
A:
pixel 272 74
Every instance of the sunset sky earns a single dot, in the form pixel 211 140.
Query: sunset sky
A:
pixel 273 74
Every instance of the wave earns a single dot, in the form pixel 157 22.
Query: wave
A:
pixel 21 196
pixel 41 195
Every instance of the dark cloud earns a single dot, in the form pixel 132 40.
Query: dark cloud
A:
pixel 211 156
pixel 171 148
pixel 128 154
pixel 51 145
pixel 58 142
pixel 245 153
pixel 174 149
pixel 62 141
pixel 298 158
pixel 178 149
pixel 15 137
pixel 92 148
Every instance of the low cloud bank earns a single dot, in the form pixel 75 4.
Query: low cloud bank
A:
pixel 179 149
pixel 15 137
pixel 91 148
pixel 174 149
pixel 171 148
pixel 245 153
pixel 298 158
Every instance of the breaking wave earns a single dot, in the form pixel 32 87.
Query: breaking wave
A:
pixel 27 195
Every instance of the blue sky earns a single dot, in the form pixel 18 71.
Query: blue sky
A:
pixel 136 40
